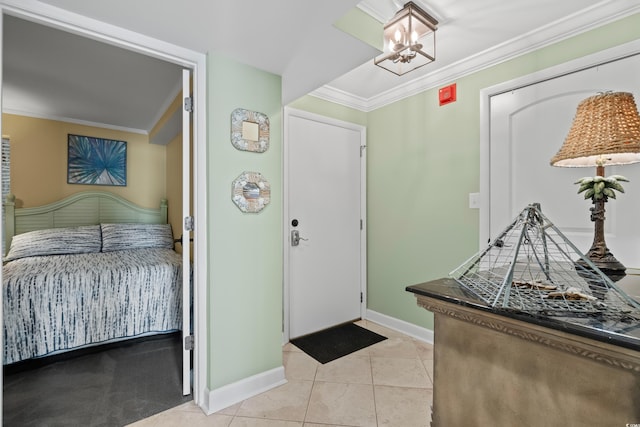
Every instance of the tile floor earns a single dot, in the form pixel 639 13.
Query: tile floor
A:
pixel 387 384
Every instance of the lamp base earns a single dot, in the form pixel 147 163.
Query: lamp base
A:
pixel 599 254
pixel 602 258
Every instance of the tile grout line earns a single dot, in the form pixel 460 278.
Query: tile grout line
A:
pixel 373 382
pixel 313 386
pixel 373 387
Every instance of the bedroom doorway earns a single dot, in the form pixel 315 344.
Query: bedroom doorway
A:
pixel 187 333
pixel 196 208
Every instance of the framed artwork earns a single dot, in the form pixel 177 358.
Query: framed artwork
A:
pixel 96 161
pixel 249 130
pixel 251 192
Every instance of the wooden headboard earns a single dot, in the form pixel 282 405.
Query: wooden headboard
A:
pixel 84 208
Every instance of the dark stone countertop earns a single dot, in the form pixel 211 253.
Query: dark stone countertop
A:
pixel 620 333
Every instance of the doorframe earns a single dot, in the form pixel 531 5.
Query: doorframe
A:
pixel 569 67
pixel 97 30
pixel 292 112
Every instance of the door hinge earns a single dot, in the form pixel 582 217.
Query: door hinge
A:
pixel 188 343
pixel 360 224
pixel 362 147
pixel 361 297
pixel 188 104
pixel 188 223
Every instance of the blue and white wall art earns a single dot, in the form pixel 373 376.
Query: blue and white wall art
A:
pixel 96 161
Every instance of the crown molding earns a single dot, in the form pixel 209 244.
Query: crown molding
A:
pixel 342 97
pixel 73 121
pixel 596 16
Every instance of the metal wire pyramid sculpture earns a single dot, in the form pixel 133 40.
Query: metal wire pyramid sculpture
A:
pixel 532 267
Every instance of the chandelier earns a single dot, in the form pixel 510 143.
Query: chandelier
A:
pixel 409 40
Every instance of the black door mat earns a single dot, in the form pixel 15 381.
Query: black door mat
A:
pixel 333 343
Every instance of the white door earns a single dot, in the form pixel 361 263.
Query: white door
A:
pixel 325 206
pixel 187 334
pixel 528 126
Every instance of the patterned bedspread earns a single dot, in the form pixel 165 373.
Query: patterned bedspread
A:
pixel 60 302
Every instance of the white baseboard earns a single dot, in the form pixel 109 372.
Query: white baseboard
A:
pixel 230 394
pixel 414 331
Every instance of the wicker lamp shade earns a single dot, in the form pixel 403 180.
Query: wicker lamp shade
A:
pixel 605 132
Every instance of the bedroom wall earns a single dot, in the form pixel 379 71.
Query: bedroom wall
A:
pixel 174 185
pixel 173 164
pixel 422 231
pixel 39 162
pixel 245 250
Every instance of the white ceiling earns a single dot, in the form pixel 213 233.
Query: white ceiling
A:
pixel 296 39
pixel 54 74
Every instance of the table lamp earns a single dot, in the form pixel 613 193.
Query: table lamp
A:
pixel 604 132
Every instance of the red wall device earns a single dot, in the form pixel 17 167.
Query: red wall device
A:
pixel 447 94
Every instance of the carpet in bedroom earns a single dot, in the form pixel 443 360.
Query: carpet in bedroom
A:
pixel 118 385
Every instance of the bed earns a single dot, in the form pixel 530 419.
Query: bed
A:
pixel 90 269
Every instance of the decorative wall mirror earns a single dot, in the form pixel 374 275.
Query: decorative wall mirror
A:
pixel 249 130
pixel 251 192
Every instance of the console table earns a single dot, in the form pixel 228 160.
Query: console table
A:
pixel 494 367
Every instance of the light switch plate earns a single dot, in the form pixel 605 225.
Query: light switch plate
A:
pixel 474 200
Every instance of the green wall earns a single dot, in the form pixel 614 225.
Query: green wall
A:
pixel 245 250
pixel 422 164
pixel 423 160
pixel 362 26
